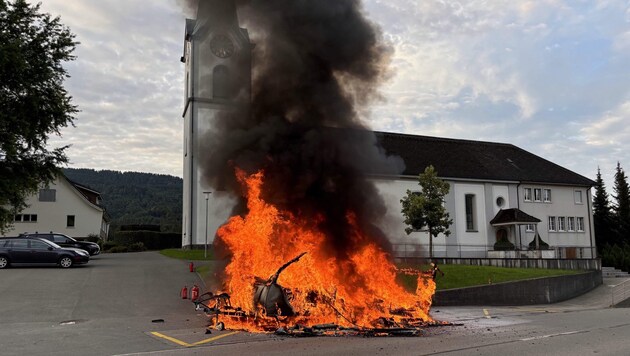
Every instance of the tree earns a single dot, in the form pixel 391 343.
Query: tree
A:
pixel 602 215
pixel 426 208
pixel 622 206
pixel 33 101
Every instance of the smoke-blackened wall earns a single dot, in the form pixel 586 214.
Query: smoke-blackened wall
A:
pixel 316 66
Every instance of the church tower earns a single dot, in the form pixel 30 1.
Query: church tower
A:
pixel 217 57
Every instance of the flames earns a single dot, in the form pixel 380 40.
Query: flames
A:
pixel 352 289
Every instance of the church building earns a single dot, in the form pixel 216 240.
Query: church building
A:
pixel 499 193
pixel 217 58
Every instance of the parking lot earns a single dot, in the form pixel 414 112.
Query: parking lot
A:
pixel 105 307
pixel 129 304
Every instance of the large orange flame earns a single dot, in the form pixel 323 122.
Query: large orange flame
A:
pixel 353 291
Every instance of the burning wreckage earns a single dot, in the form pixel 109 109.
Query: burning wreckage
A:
pixel 297 156
pixel 274 312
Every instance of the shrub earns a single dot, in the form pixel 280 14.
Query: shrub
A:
pixel 108 245
pixel 93 238
pixel 616 256
pixel 503 245
pixel 117 249
pixel 152 240
pixel 542 245
pixel 136 247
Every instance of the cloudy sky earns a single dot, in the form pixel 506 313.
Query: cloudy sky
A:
pixel 550 76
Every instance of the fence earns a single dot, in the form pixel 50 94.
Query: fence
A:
pixel 620 293
pixel 421 251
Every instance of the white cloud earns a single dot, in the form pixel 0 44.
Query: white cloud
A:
pixel 489 70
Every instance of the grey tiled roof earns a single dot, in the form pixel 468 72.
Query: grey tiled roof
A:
pixel 465 159
pixel 513 216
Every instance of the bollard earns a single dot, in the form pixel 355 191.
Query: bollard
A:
pixel 184 293
pixel 191 267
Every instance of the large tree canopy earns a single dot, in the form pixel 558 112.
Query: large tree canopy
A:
pixel 33 101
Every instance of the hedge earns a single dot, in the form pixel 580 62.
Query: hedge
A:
pixel 152 240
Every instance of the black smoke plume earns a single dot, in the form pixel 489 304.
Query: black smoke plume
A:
pixel 317 65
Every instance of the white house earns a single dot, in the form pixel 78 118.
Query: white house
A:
pixel 65 207
pixel 497 190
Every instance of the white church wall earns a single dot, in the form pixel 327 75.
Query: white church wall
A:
pixel 392 191
pixel 478 236
pixel 563 204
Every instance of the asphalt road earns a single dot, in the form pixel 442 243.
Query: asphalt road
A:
pixel 107 308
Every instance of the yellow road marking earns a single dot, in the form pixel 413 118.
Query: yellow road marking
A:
pixel 213 338
pixel 171 339
pixel 185 344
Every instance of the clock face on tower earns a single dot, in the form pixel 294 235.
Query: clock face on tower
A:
pixel 222 46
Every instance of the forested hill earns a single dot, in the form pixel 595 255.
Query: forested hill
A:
pixel 135 198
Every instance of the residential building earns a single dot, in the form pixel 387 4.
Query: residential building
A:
pixel 65 207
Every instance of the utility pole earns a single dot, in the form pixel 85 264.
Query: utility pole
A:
pixel 205 246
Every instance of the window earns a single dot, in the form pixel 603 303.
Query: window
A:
pixel 38 245
pixel 547 195
pixel 527 194
pixel 25 218
pixel 221 82
pixel 552 223
pixel 529 228
pixel 500 202
pixel 70 221
pixel 537 192
pixel 47 195
pixel 578 196
pixel 470 212
pixel 561 226
pixel 19 243
pixel 580 224
pixel 570 223
pixel 60 239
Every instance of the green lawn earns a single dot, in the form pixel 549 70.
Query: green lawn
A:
pixel 455 276
pixel 458 276
pixel 190 255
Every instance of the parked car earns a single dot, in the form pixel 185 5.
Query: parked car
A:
pixel 36 251
pixel 66 241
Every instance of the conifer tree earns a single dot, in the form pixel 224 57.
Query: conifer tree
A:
pixel 622 206
pixel 602 215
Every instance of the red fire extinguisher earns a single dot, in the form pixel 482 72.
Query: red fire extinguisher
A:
pixel 191 267
pixel 194 292
pixel 184 292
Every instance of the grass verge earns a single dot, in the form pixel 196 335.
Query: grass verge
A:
pixel 459 276
pixel 190 255
pixel 204 271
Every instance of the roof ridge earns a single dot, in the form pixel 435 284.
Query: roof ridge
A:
pixel 446 139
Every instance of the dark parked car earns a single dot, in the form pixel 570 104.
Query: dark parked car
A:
pixel 36 251
pixel 66 241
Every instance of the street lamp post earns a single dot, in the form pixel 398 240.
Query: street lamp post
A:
pixel 205 247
